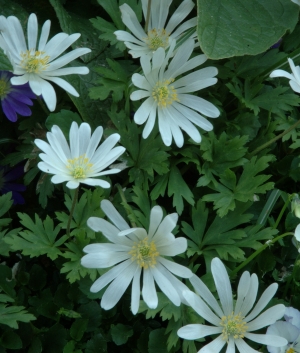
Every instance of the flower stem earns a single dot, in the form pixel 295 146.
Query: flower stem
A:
pixel 281 213
pixel 258 251
pixel 72 210
pixel 126 206
pixel 148 16
pixel 274 139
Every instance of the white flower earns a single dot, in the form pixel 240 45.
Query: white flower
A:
pixel 82 162
pixel 297 235
pixel 296 2
pixel 233 323
pixel 159 35
pixel 169 98
pixel 289 329
pixel 294 76
pixel 40 62
pixel 133 251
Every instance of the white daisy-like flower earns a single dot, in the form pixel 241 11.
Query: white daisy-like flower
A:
pixel 169 99
pixel 159 34
pixel 133 251
pixel 232 323
pixel 294 77
pixel 39 62
pixel 289 329
pixel 81 162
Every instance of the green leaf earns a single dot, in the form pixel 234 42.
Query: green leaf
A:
pixel 44 188
pixel 157 341
pixel 96 345
pixel 220 154
pixel 78 329
pixel 5 203
pixel 38 239
pixel 120 333
pixel 107 32
pixel 63 119
pixel 73 267
pixel 179 189
pixel 225 28
pixel 11 340
pixel 5 64
pixel 10 315
pixel 244 190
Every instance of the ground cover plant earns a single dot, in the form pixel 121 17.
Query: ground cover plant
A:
pixel 149 176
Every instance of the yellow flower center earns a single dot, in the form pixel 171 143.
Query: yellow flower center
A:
pixel 144 253
pixel 157 38
pixel 34 61
pixel 164 94
pixel 79 167
pixel 4 88
pixel 290 350
pixel 234 326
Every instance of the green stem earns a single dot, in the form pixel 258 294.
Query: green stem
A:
pixel 258 251
pixel 72 210
pixel 274 139
pixel 281 213
pixel 148 16
pixel 126 206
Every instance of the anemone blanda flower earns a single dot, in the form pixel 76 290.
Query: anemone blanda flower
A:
pixel 169 99
pixel 14 99
pixel 294 77
pixel 289 329
pixel 38 62
pixel 133 251
pixel 82 162
pixel 232 323
pixel 159 34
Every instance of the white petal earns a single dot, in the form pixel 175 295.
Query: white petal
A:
pixel 156 216
pixel 284 329
pixel 215 346
pixel 201 308
pixel 175 268
pixel 223 285
pixel 180 14
pixel 109 276
pixel 268 317
pixel 282 73
pixel 117 288
pixel 113 215
pixel 67 58
pixel 130 20
pixel 136 291
pixel 250 298
pixel 199 104
pixel 166 226
pixel 32 31
pixel 63 84
pixel 44 35
pixel 196 331
pixel 144 110
pixel 165 285
pixel 205 294
pixel 149 291
pixel 273 340
pixel 172 249
pixel 244 347
pixel 267 295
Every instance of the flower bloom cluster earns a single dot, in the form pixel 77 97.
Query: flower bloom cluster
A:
pixel 136 251
pixel 164 81
pixel 233 323
pixel 81 162
pixel 38 62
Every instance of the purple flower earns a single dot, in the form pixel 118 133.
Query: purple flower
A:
pixel 14 99
pixel 6 176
